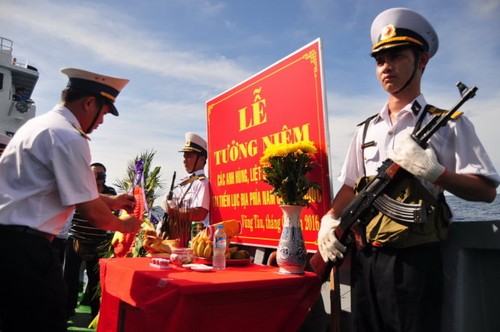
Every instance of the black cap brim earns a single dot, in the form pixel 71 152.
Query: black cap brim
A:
pixel 112 109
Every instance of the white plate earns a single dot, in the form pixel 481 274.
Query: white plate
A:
pixel 202 268
pixel 159 266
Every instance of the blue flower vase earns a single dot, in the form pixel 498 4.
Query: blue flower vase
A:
pixel 291 255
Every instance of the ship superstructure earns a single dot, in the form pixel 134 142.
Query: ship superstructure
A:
pixel 17 82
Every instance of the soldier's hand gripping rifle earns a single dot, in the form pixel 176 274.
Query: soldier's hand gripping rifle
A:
pixel 356 214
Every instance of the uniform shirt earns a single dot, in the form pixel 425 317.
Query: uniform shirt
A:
pixel 64 234
pixel 192 195
pixel 456 145
pixel 45 172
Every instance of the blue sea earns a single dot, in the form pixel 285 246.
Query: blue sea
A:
pixel 474 211
pixel 462 210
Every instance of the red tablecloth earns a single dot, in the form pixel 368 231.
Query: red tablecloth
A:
pixel 243 298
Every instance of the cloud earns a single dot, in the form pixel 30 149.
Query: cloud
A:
pixel 86 30
pixel 181 53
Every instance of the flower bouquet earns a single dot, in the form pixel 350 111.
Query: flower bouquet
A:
pixel 285 168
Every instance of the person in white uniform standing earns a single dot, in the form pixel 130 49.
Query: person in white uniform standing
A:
pixel 189 200
pixel 44 176
pixel 397 278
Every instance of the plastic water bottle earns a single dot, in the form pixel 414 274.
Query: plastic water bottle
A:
pixel 219 258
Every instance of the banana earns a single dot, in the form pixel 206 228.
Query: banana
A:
pixel 194 246
pixel 201 249
pixel 207 253
pixel 194 243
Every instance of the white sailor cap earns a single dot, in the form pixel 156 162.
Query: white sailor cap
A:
pixel 194 143
pixel 398 27
pixel 106 86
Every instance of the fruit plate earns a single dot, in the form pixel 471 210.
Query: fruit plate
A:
pixel 229 262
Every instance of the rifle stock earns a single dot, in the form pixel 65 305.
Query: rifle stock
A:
pixel 355 214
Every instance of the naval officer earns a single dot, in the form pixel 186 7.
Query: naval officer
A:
pixel 397 279
pixel 45 175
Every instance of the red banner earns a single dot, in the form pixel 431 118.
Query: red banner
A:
pixel 282 104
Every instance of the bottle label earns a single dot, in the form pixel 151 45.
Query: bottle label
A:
pixel 220 242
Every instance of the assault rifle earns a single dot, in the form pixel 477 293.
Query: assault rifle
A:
pixel 165 229
pixel 356 214
pixel 172 184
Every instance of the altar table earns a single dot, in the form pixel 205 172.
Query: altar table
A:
pixel 137 297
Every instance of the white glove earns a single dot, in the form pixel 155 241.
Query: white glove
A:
pixel 329 246
pixel 419 162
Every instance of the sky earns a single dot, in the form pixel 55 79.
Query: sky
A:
pixel 178 54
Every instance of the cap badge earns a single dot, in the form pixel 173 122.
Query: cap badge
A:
pixel 187 143
pixel 388 31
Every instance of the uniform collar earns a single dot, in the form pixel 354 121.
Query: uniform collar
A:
pixel 67 114
pixel 384 112
pixel 198 172
pixel 71 118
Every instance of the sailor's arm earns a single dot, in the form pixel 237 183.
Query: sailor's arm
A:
pixel 344 196
pixel 470 187
pixel 98 213
pixel 424 164
pixel 120 201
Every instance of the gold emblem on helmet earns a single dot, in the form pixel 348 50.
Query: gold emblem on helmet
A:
pixel 388 31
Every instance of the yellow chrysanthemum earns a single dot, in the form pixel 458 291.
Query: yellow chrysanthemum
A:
pixel 284 149
pixel 285 167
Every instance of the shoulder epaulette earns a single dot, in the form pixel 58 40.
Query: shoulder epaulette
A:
pixel 440 112
pixel 82 133
pixel 367 120
pixel 193 178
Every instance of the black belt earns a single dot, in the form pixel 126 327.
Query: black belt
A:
pixel 26 230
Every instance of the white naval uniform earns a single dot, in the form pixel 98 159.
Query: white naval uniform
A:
pixel 45 172
pixel 457 138
pixel 193 195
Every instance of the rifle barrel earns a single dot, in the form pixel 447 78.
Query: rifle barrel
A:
pixel 171 192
